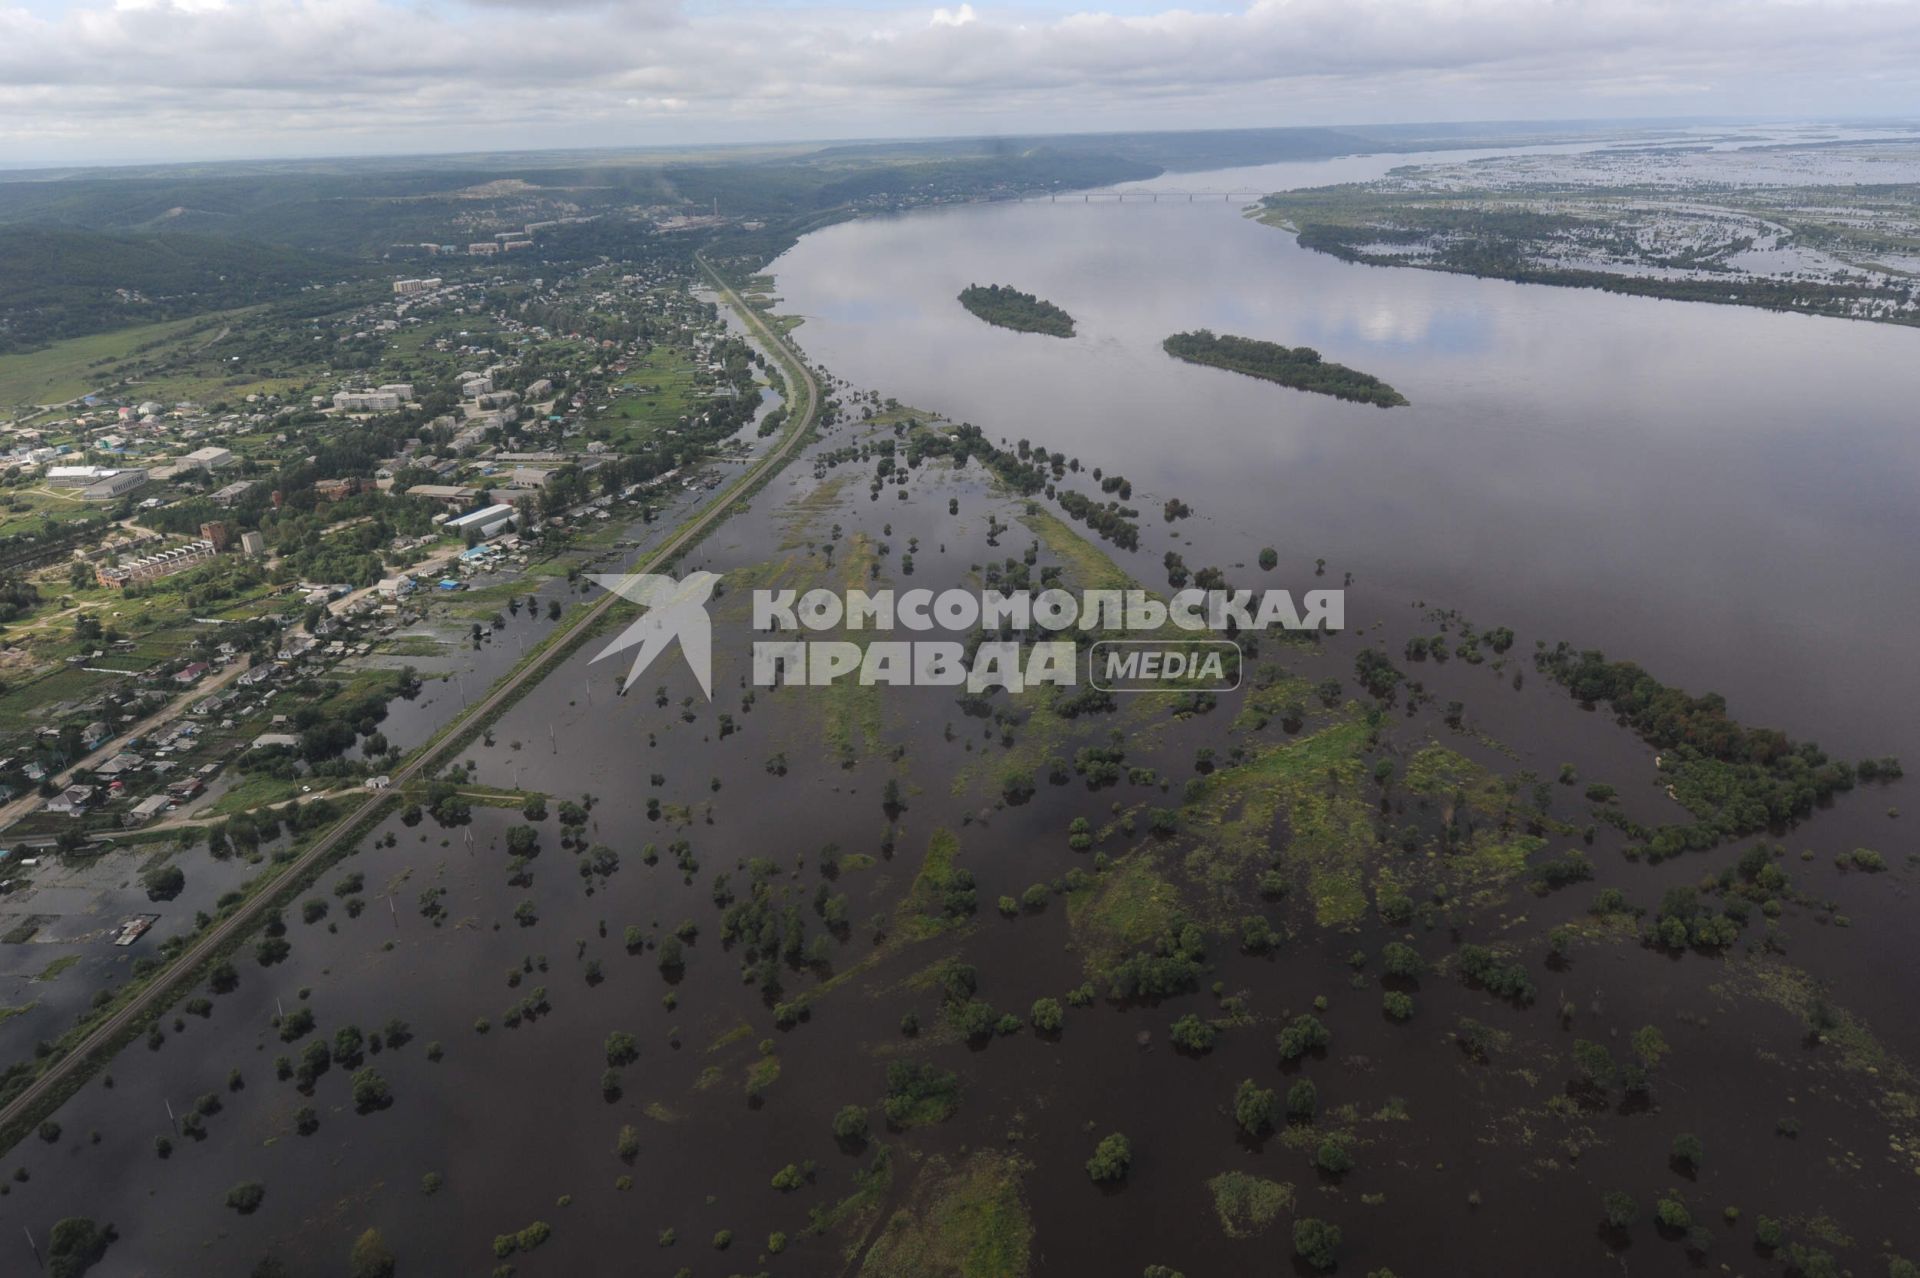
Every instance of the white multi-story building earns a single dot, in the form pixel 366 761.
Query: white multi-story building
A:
pixel 367 401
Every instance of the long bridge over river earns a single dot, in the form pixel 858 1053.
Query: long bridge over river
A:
pixel 1143 196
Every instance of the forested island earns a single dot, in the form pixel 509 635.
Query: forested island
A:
pixel 1297 366
pixel 1010 308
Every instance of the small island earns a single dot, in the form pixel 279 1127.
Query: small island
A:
pixel 1297 366
pixel 1010 308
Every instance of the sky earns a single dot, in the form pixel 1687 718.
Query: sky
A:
pixel 108 81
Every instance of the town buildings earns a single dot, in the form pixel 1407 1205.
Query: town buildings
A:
pixel 164 564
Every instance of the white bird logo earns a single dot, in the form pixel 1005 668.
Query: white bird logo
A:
pixel 674 610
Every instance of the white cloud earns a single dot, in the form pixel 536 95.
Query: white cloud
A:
pixel 170 78
pixel 182 6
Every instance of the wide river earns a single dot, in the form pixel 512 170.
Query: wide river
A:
pixel 1729 497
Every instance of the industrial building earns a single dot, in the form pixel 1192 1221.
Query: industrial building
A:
pixel 208 459
pixel 80 476
pixel 457 496
pixel 488 521
pixel 113 484
pixel 523 478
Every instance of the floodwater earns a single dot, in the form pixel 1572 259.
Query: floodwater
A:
pixel 1531 484
pixel 1726 496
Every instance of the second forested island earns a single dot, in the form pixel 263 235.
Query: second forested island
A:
pixel 1297 366
pixel 1010 308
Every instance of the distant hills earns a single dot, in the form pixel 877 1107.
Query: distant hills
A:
pixel 362 205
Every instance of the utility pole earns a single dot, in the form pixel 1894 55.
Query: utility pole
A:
pixel 31 1247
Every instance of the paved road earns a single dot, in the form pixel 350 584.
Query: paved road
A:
pixel 249 913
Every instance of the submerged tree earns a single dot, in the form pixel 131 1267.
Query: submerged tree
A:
pixel 1112 1157
pixel 1316 1242
pixel 1254 1107
pixel 370 1257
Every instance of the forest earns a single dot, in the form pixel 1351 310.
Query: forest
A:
pixel 1297 366
pixel 58 282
